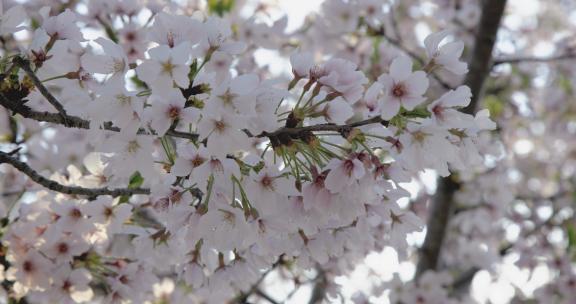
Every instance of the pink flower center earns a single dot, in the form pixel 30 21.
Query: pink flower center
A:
pixel 62 248
pixel 267 182
pixel 197 161
pixel 75 213
pixel 170 38
pixel 130 36
pixel 438 111
pixel 108 212
pixel 399 90
pixel 348 166
pixel 174 112
pixel 28 266
pixel 66 285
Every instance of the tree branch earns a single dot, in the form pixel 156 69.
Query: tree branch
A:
pixel 25 65
pixel 320 286
pixel 73 190
pixel 74 121
pixel 295 132
pixel 523 59
pixel 480 65
pixel 243 297
pixel 265 296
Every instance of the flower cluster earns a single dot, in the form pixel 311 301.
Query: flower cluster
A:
pixel 242 172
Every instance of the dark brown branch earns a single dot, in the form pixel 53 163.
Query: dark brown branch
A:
pixel 320 286
pixel 480 65
pixel 265 296
pixel 77 122
pixel 321 127
pixel 524 59
pixel 25 65
pixel 73 190
pixel 244 296
pixel 74 121
pixel 27 112
pixel 179 134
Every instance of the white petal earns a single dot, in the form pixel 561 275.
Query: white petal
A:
pixel 302 63
pixel 401 68
pixel 244 84
pixel 180 75
pixel 335 181
pixel 359 169
pixel 109 47
pixel 148 71
pixel 409 103
pixel 432 41
pixel 417 83
pixel 160 53
pixel 339 111
pixel 99 64
pixel 182 167
pixel 389 107
pixel 181 53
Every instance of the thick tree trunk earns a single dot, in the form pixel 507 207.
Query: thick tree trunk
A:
pixel 480 64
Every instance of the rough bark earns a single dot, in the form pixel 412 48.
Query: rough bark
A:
pixel 480 64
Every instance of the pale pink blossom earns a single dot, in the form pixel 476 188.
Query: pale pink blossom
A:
pixel 401 87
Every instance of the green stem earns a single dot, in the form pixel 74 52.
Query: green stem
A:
pixel 55 77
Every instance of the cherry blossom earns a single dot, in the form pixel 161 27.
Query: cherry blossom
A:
pixel 114 62
pixel 166 66
pixel 12 19
pixel 401 87
pixel 446 56
pixel 166 159
pixel 167 109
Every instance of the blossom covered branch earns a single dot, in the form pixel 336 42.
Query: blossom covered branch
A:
pixel 236 168
pixel 5 158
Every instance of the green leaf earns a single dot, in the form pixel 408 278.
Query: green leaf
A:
pixel 193 70
pixel 138 83
pixel 571 231
pixel 419 112
pixel 494 105
pixel 220 7
pixel 398 121
pixel 565 84
pixel 136 180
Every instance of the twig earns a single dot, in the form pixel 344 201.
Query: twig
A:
pixel 322 127
pixel 265 296
pixel 73 190
pixel 394 22
pixel 179 134
pixel 243 297
pixel 523 59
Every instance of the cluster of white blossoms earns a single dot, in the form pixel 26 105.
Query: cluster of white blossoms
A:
pixel 245 173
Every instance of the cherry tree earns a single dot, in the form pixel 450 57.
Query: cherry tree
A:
pixel 149 153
